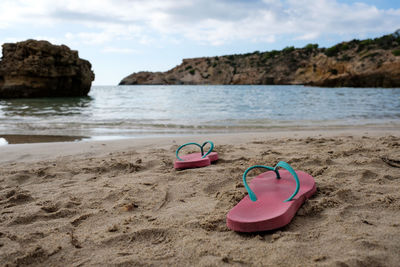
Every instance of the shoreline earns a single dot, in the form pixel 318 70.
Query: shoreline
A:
pixel 11 139
pixel 31 152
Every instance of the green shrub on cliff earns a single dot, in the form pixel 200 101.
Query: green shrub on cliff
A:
pixel 192 71
pixel 334 50
pixel 385 42
pixel 396 52
pixel 311 47
pixel 271 54
pixel 288 49
pixel 344 46
pixel 365 44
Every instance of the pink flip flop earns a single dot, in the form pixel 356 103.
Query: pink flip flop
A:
pixel 273 200
pixel 195 160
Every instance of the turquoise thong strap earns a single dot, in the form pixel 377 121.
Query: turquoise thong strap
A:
pixel 200 146
pixel 281 164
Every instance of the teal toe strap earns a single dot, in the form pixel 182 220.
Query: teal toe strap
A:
pixel 281 164
pixel 286 166
pixel 209 151
pixel 200 146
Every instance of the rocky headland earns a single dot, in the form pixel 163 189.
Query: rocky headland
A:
pixel 356 63
pixel 39 69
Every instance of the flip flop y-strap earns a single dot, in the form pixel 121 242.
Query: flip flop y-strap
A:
pixel 281 164
pixel 209 151
pixel 200 146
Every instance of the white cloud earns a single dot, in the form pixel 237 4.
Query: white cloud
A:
pixel 119 50
pixel 206 21
pixel 307 36
pixel 106 34
pixel 92 38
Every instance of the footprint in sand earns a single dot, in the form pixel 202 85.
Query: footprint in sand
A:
pixel 49 206
pixel 16 197
pixel 153 236
pixel 314 207
pixel 368 176
pixel 147 236
pixel 346 195
pixel 77 221
pixel 34 257
pixel 391 162
pixel 21 177
pixel 32 217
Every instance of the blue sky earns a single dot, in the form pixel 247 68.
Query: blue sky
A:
pixel 123 36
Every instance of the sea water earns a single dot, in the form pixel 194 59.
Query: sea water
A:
pixel 131 111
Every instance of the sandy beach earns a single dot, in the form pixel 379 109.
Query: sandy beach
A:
pixel 122 203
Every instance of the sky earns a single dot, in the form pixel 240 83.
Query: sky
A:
pixel 120 37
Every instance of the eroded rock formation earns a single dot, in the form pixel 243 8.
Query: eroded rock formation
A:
pixel 367 63
pixel 39 69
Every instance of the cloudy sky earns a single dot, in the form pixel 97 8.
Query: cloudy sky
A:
pixel 123 36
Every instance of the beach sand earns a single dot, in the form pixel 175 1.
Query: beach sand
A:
pixel 122 203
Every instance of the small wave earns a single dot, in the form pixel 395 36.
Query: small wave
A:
pixel 3 141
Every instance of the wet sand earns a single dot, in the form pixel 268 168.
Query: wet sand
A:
pixel 25 139
pixel 122 203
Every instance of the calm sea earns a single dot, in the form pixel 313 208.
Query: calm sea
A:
pixel 132 111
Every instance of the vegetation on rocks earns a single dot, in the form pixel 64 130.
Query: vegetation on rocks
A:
pixel 356 63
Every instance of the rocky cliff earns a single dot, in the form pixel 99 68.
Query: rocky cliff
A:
pixel 366 63
pixel 39 69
